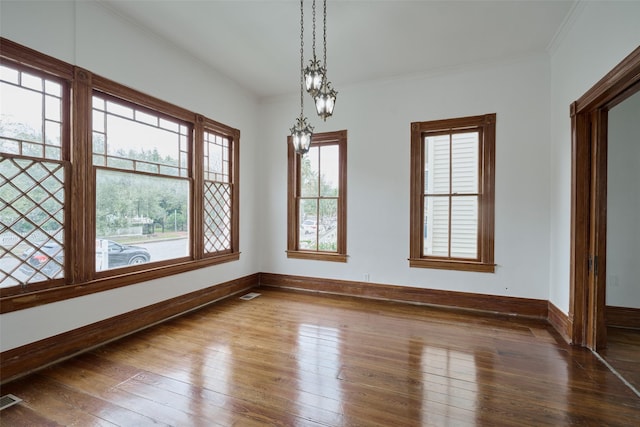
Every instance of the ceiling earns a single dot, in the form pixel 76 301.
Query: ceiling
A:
pixel 257 43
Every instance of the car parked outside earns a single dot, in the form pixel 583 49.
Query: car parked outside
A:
pixel 49 258
pixel 309 226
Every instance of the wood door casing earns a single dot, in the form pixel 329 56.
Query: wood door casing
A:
pixel 587 302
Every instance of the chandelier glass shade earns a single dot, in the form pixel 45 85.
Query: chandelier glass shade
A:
pixel 301 134
pixel 325 100
pixel 313 77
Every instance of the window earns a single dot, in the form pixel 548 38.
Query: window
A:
pixel 452 193
pixel 141 185
pixel 34 176
pixel 317 199
pixel 143 190
pixel 220 160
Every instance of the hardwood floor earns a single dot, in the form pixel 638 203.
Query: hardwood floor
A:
pixel 623 353
pixel 298 359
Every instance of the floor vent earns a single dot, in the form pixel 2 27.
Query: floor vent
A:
pixel 249 296
pixel 8 400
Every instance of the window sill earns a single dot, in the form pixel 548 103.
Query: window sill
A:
pixel 318 256
pixel 29 298
pixel 452 265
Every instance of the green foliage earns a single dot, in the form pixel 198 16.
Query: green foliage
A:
pixel 127 199
pixel 313 185
pixel 328 246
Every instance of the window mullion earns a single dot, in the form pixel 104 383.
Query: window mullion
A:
pixel 197 189
pixel 82 197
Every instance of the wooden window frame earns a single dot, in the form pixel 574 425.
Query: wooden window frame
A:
pixel 485 125
pixel 80 275
pixel 338 138
pixel 204 124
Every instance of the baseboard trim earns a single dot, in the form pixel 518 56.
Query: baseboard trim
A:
pixel 623 317
pixel 28 358
pixel 31 357
pixel 462 300
pixel 560 322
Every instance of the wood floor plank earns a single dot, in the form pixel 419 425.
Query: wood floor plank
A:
pixel 298 359
pixel 623 353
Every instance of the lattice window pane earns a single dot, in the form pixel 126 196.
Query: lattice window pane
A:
pixel 32 220
pixel 217 216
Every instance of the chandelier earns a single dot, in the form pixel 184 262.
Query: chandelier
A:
pixel 325 97
pixel 314 79
pixel 301 131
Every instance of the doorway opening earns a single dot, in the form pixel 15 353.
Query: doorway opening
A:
pixel 589 123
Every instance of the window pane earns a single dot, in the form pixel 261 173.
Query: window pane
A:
pixel 464 227
pixel 133 139
pixel 98 103
pixel 464 163
pixel 329 172
pixel 146 118
pixel 20 113
pixel 53 108
pixel 53 152
pixel 217 216
pixel 23 112
pixel 436 240
pixel 52 88
pixel 437 165
pixel 327 225
pixel 33 150
pixel 31 81
pixel 309 173
pixel 32 218
pixel 126 138
pixel 308 233
pixel 54 134
pixel 120 110
pixel 146 216
pixel 98 121
pixel 216 157
pixel 9 74
pixel 8 146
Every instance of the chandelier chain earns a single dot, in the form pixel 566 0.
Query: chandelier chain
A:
pixel 324 34
pixel 314 28
pixel 302 57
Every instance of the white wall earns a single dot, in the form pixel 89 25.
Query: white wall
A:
pixel 89 35
pixel 377 116
pixel 596 38
pixel 623 204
